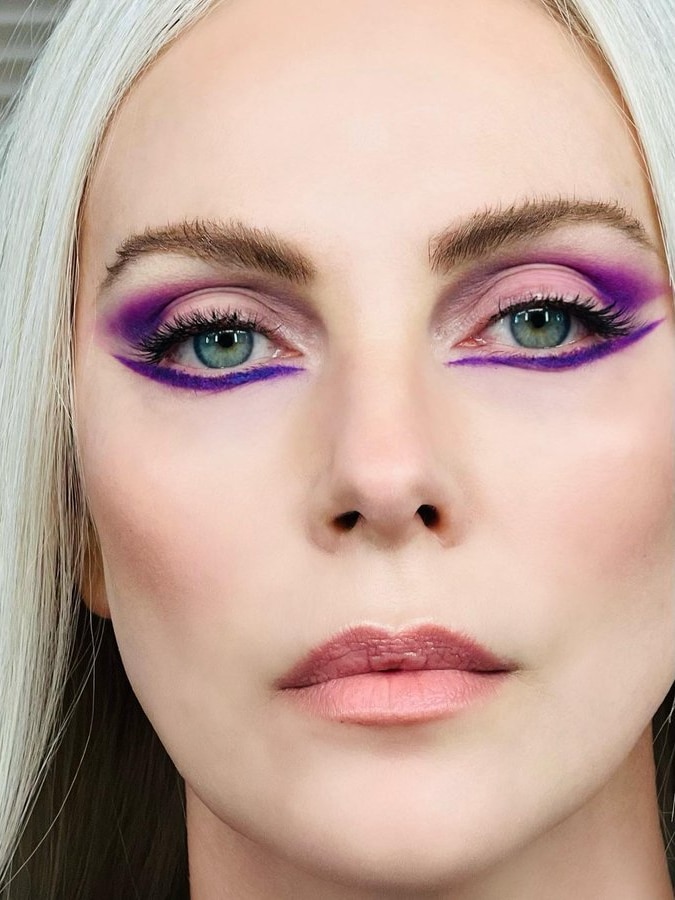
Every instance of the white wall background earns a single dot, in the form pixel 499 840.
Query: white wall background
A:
pixel 24 26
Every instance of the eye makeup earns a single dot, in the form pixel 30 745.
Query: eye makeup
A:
pixel 179 379
pixel 612 323
pixel 531 287
pixel 552 362
pixel 628 287
pixel 141 314
pixel 144 324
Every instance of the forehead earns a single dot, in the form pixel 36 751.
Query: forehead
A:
pixel 361 119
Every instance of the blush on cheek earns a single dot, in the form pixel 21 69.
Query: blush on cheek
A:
pixel 153 551
pixel 617 517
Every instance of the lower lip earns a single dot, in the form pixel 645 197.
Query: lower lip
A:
pixel 397 697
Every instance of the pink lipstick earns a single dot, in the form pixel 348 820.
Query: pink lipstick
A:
pixel 370 676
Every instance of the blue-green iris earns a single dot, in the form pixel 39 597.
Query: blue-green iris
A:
pixel 221 349
pixel 540 328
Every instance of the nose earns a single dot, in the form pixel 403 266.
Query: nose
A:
pixel 384 476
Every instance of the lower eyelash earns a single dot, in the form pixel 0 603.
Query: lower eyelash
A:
pixel 614 327
pixel 557 361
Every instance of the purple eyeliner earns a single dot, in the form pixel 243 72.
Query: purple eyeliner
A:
pixel 623 288
pixel 562 360
pixel 178 379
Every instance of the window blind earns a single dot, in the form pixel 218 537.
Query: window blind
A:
pixel 24 27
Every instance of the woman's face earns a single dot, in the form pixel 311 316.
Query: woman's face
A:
pixel 427 166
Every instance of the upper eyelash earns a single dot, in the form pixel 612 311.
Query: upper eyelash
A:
pixel 153 348
pixel 607 321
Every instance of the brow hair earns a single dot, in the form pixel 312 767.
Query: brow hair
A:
pixel 234 243
pixel 487 230
pixel 244 247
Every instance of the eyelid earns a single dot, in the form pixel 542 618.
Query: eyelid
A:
pixel 526 281
pixel 144 312
pixel 224 300
pixel 508 287
pixel 587 275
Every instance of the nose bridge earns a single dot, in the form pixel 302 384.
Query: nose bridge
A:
pixel 380 423
pixel 380 353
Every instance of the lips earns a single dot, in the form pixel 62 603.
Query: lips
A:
pixel 366 649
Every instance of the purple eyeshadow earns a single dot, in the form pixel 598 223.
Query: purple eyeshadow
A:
pixel 178 379
pixel 560 361
pixel 624 287
pixel 142 315
pixel 627 289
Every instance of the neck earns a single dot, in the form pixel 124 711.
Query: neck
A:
pixel 609 849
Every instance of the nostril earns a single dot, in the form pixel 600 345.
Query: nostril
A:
pixel 428 514
pixel 348 520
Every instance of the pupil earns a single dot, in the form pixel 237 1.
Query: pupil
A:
pixel 223 349
pixel 540 328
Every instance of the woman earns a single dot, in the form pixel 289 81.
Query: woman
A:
pixel 348 452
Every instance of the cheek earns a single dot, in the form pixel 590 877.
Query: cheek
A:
pixel 586 467
pixel 179 542
pixel 572 483
pixel 185 496
pixel 606 541
pixel 601 494
pixel 577 531
pixel 173 531
pixel 577 494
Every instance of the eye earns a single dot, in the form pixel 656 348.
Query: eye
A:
pixel 541 325
pixel 545 322
pixel 235 346
pixel 213 340
pixel 539 328
pixel 222 349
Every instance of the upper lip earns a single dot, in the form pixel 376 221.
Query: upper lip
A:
pixel 363 649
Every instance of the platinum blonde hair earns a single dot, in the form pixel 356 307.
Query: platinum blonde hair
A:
pixel 48 145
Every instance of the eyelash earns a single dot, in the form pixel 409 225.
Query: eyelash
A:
pixel 604 322
pixel 156 347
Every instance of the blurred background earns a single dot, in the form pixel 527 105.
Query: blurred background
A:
pixel 24 27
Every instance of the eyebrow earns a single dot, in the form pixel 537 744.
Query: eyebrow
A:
pixel 247 248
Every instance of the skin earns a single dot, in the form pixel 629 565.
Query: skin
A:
pixel 355 131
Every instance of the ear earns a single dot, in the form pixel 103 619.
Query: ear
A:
pixel 92 581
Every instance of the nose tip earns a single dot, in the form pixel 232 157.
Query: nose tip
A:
pixel 386 511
